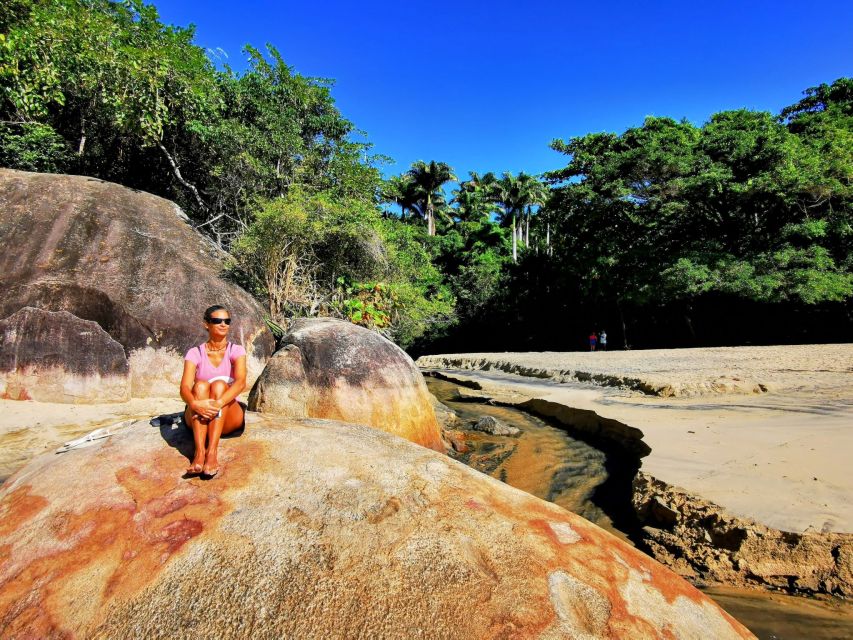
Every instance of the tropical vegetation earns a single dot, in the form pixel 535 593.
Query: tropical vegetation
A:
pixel 736 230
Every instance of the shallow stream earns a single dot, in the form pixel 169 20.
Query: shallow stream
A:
pixel 543 460
pixel 546 461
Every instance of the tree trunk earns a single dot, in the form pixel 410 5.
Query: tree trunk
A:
pixel 81 147
pixel 514 240
pixel 527 229
pixel 430 218
pixel 548 238
pixel 624 330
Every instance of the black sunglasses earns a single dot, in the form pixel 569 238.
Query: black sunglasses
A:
pixel 219 320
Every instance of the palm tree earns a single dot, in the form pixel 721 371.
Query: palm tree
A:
pixel 476 182
pixel 517 195
pixel 536 195
pixel 472 205
pixel 509 194
pixel 429 179
pixel 402 191
pixel 469 204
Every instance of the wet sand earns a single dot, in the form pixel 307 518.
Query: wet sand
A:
pixel 780 457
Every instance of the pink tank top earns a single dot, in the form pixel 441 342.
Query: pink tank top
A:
pixel 206 372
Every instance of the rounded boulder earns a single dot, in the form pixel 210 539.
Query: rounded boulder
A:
pixel 124 259
pixel 34 363
pixel 333 369
pixel 314 529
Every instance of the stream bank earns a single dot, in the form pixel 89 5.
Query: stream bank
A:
pixel 544 460
pixel 695 537
pixel 601 481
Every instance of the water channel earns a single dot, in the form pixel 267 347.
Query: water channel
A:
pixel 581 476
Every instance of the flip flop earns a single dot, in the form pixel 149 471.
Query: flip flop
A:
pixel 88 439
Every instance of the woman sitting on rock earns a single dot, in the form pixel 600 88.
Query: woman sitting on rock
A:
pixel 214 375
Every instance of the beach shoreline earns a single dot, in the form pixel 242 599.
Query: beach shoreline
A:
pixel 780 457
pixel 769 539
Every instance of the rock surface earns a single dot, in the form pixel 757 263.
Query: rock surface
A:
pixel 446 417
pixel 57 357
pixel 334 369
pixel 314 529
pixel 121 258
pixel 490 424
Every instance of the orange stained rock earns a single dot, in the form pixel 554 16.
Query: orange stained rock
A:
pixel 315 529
pixel 336 370
pixel 126 543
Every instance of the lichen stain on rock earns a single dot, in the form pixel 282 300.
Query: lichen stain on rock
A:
pixel 642 596
pixel 19 507
pixel 564 532
pixel 268 550
pixel 612 571
pixel 131 542
pixel 388 509
pixel 473 504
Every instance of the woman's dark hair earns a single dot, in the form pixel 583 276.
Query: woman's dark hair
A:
pixel 208 313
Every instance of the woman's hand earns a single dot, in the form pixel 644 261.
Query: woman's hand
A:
pixel 207 409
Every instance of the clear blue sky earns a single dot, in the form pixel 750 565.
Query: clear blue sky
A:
pixel 486 86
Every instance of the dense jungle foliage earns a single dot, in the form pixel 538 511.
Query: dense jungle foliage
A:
pixel 669 234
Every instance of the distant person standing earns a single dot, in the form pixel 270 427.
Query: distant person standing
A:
pixel 602 340
pixel 592 340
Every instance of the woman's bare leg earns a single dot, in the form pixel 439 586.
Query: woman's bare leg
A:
pixel 230 420
pixel 234 418
pixel 200 427
pixel 211 463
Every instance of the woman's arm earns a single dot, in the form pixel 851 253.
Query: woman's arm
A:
pixel 237 387
pixel 203 408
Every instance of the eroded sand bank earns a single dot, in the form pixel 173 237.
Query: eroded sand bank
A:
pixel 779 455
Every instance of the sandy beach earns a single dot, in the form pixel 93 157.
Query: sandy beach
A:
pixel 29 428
pixel 779 455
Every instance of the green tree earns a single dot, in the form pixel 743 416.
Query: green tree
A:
pixel 402 191
pixel 430 178
pixel 671 212
pixel 516 195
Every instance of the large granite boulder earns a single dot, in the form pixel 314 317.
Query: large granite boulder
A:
pixel 334 369
pixel 314 529
pixel 54 356
pixel 124 259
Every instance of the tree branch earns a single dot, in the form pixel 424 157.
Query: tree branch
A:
pixel 180 178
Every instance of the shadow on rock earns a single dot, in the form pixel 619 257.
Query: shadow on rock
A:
pixel 177 434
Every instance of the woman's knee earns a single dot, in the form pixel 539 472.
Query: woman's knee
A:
pixel 218 388
pixel 201 390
